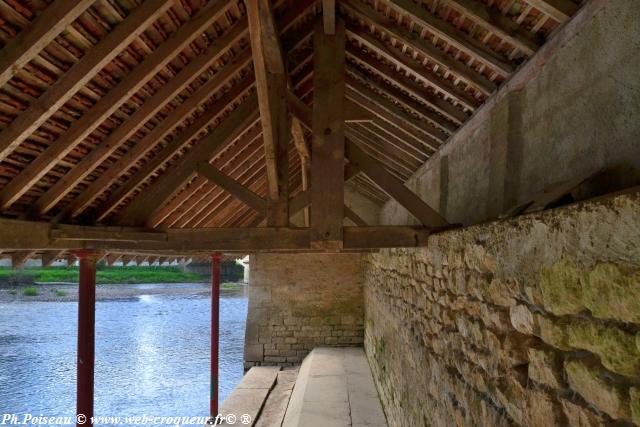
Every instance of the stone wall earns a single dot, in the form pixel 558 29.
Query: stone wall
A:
pixel 572 110
pixel 301 301
pixel 532 321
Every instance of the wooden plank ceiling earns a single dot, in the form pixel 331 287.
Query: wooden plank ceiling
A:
pixel 111 110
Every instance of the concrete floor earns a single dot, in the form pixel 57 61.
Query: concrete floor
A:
pixel 333 387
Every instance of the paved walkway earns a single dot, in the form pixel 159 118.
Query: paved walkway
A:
pixel 333 388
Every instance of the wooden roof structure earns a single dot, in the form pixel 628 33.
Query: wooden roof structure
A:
pixel 145 118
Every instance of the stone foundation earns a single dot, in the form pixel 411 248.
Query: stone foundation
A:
pixel 532 321
pixel 301 301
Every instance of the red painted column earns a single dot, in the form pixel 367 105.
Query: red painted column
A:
pixel 215 331
pixel 86 336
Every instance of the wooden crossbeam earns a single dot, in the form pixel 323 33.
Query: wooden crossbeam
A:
pixel 560 10
pixel 492 19
pixel 80 74
pixel 232 186
pixel 135 154
pixel 49 257
pixel 271 83
pixel 395 188
pixel 18 51
pixel 452 35
pixel 327 150
pixel 145 206
pixel 409 38
pixel 108 104
pixel 16 235
pixel 354 217
pixel 158 101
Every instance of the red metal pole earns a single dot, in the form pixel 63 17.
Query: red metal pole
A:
pixel 215 330
pixel 86 337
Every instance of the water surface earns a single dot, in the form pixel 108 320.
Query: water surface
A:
pixel 152 355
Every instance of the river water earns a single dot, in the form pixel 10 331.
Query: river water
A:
pixel 152 355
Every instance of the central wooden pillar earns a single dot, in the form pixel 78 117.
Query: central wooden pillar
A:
pixel 327 159
pixel 86 336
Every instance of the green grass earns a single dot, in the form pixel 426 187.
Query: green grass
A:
pixel 30 291
pixel 60 293
pixel 111 275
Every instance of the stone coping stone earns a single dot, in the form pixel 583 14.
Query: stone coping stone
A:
pixel 249 397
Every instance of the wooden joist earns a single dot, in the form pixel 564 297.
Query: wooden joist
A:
pixel 30 41
pixel 395 188
pixel 159 100
pixel 232 186
pixel 271 84
pixel 327 149
pixel 495 22
pixel 80 74
pixel 108 104
pixel 452 35
pixel 145 206
pixel 560 10
pixel 390 27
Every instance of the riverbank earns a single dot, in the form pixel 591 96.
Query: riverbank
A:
pixel 48 292
pixel 104 275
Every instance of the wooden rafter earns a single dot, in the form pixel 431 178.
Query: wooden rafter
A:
pixel 232 186
pixel 107 105
pixel 49 257
pixel 80 74
pixel 271 83
pixel 26 45
pixel 129 127
pixel 560 10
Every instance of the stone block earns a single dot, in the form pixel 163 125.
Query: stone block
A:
pixel 522 319
pixel 609 292
pixel 545 367
pixel 579 415
pixel 561 288
pixel 588 381
pixel 634 399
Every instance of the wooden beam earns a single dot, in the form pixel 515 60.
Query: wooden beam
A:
pixel 18 51
pixel 354 217
pixel 305 163
pixel 18 258
pixel 232 186
pixel 146 205
pixel 49 257
pixel 80 74
pixel 411 39
pixel 108 104
pixel 130 158
pixel 213 53
pixel 452 35
pixel 36 236
pixel 271 83
pixel 492 19
pixel 327 150
pixel 395 188
pixel 559 10
pixel 329 16
pixel 416 69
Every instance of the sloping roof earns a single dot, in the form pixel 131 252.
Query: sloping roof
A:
pixel 99 99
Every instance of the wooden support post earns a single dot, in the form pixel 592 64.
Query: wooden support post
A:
pixel 327 160
pixel 215 331
pixel 86 336
pixel 329 16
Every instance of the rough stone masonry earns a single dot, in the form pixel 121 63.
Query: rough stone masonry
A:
pixel 532 321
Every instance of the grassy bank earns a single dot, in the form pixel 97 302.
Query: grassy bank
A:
pixel 104 275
